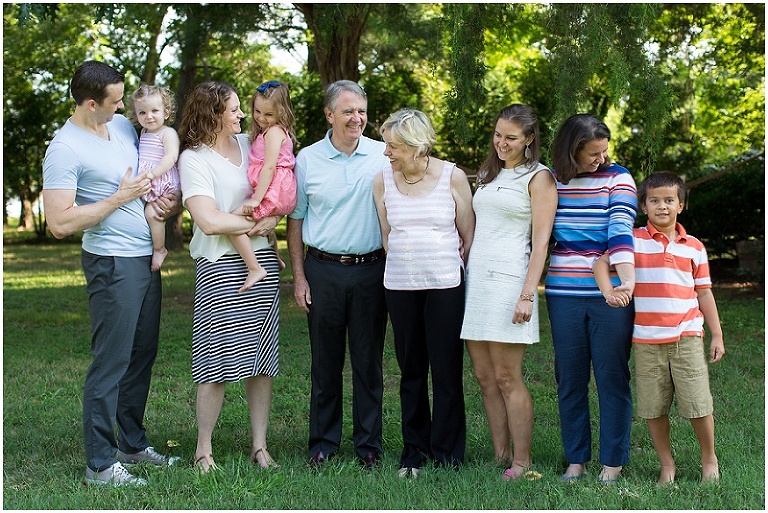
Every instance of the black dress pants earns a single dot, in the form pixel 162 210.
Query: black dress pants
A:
pixel 427 328
pixel 347 300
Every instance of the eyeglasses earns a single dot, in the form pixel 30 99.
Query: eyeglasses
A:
pixel 266 85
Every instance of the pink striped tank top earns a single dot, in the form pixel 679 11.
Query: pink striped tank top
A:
pixel 423 249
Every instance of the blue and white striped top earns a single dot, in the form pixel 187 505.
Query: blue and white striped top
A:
pixel 595 213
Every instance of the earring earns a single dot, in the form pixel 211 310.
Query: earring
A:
pixel 527 153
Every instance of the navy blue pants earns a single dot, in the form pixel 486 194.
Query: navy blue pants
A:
pixel 347 300
pixel 587 332
pixel 124 303
pixel 427 329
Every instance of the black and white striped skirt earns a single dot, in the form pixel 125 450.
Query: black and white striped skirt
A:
pixel 235 335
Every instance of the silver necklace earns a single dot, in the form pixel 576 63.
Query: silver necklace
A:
pixel 412 182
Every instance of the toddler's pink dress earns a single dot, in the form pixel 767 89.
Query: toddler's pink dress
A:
pixel 150 152
pixel 280 198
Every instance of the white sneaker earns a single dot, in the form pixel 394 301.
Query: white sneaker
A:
pixel 116 475
pixel 148 455
pixel 408 472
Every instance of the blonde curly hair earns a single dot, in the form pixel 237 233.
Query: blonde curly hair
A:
pixel 145 91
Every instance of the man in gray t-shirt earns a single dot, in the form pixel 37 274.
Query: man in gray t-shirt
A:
pixel 90 186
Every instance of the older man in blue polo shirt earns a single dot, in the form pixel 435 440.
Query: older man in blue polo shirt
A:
pixel 339 282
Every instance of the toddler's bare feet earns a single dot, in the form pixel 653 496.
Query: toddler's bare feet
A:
pixel 254 276
pixel 710 473
pixel 158 257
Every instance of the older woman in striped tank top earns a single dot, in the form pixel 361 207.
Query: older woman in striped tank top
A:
pixel 427 225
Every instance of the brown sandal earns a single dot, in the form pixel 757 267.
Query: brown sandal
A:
pixel 268 461
pixel 205 464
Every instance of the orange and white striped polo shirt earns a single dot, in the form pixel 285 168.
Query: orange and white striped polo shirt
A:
pixel 668 273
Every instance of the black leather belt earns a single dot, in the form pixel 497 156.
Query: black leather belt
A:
pixel 346 259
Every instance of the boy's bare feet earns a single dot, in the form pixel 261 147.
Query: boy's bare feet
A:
pixel 667 474
pixel 158 257
pixel 254 276
pixel 710 473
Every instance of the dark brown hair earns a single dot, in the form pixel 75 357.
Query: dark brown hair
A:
pixel 574 133
pixel 524 117
pixel 91 79
pixel 661 179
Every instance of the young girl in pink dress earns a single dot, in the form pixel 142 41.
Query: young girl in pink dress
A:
pixel 152 106
pixel 270 168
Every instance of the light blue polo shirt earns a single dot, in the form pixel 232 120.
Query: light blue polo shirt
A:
pixel 93 167
pixel 335 196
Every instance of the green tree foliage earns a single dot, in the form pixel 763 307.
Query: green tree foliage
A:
pixel 680 85
pixel 396 62
pixel 713 62
pixel 38 59
pixel 602 63
pixel 466 119
pixel 503 62
pixel 728 209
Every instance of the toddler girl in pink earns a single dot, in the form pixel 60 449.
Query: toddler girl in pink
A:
pixel 152 106
pixel 270 168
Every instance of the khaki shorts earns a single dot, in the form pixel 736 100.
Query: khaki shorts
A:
pixel 675 369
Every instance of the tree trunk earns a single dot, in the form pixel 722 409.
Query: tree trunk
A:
pixel 27 215
pixel 193 36
pixel 336 31
pixel 193 39
pixel 5 206
pixel 155 27
pixel 174 236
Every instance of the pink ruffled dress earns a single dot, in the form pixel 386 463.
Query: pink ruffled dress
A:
pixel 280 198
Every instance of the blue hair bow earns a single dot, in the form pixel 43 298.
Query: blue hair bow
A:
pixel 266 85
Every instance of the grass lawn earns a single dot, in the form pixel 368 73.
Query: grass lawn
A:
pixel 46 350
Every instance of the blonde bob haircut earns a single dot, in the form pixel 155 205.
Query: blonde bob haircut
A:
pixel 412 128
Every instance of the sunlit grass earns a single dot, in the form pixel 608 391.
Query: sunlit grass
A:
pixel 46 350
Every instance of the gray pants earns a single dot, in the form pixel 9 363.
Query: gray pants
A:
pixel 124 303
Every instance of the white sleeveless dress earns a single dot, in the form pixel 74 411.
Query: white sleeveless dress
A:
pixel 498 260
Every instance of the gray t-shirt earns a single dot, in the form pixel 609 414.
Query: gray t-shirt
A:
pixel 93 168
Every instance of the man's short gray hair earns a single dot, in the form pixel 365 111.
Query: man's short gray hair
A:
pixel 333 91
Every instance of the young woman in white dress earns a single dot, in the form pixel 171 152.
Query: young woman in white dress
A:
pixel 515 205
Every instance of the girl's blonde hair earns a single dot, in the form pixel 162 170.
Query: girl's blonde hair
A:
pixel 276 92
pixel 145 91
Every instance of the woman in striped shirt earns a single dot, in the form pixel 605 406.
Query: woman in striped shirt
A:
pixel 597 203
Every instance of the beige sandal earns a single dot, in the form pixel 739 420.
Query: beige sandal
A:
pixel 205 464
pixel 268 461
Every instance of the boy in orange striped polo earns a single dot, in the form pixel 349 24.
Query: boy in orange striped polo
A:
pixel 673 299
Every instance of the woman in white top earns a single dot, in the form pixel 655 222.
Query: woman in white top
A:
pixel 425 210
pixel 234 335
pixel 515 205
